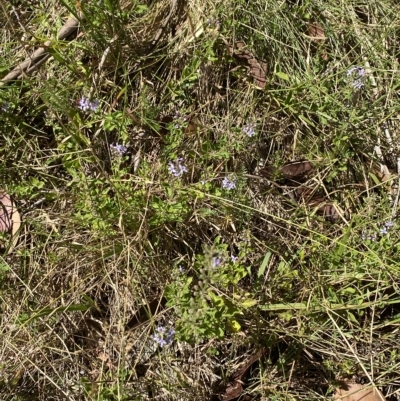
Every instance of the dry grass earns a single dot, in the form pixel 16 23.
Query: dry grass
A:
pixel 103 236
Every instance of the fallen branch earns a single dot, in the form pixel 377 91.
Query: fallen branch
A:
pixel 40 55
pixel 69 28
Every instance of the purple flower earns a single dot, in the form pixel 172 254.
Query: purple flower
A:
pixel 358 70
pixel 5 106
pixel 216 261
pixel 176 168
pixel 180 120
pixel 249 129
pixel 163 336
pixel 386 227
pixel 365 236
pixel 181 269
pixel 85 104
pixel 234 258
pixel 229 184
pixel 357 84
pixel 358 75
pixel 118 150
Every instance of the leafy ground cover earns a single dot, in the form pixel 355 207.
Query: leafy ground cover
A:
pixel 208 200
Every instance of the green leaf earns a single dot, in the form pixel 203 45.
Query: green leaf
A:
pixel 375 179
pixel 282 75
pixel 264 264
pixel 306 120
pixel 352 317
pixel 248 303
pixel 348 290
pixel 325 116
pixel 24 318
pixel 234 325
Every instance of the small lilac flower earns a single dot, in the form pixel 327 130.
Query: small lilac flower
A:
pixel 176 168
pixel 5 106
pixel 234 258
pixel 181 269
pixel 179 119
pixel 212 22
pixel 94 105
pixel 357 84
pixel 216 261
pixel 118 150
pixel 368 237
pixel 249 129
pixel 163 336
pixel 358 70
pixel 229 184
pixel 383 231
pixel 85 104
pixel 389 224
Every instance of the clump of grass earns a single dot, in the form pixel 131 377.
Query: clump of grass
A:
pixel 161 242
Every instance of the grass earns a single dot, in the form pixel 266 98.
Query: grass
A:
pixel 130 226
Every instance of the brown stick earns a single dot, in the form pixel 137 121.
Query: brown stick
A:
pixel 40 55
pixel 164 24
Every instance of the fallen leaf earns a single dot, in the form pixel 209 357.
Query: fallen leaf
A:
pixel 357 392
pixel 10 219
pixel 330 212
pixel 297 169
pixel 257 69
pixel 235 387
pixel 292 170
pixel 6 211
pixel 309 196
pixel 315 31
pixel 233 390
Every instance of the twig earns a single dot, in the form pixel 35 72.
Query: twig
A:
pixel 102 61
pixel 164 24
pixel 396 201
pixel 40 55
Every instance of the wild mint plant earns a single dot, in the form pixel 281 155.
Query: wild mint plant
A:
pixel 150 187
pixel 198 297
